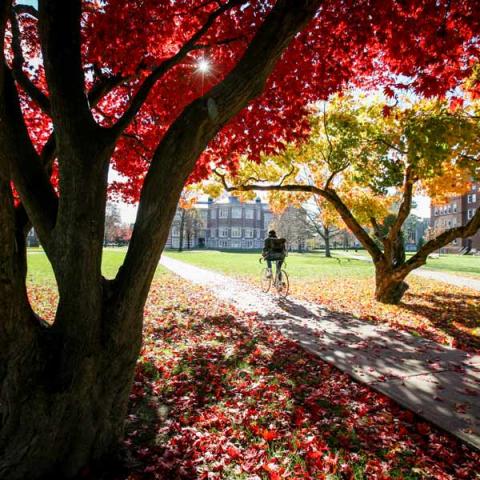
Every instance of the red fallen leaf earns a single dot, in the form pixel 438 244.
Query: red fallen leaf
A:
pixel 233 452
pixel 408 416
pixel 269 434
pixel 423 428
pixel 274 470
pixel 471 392
pixel 461 407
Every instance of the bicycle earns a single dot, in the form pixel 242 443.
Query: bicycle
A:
pixel 280 280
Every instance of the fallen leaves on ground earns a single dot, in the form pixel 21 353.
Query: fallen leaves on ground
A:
pixel 218 395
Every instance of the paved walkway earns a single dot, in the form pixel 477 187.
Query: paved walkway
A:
pixel 456 280
pixel 438 383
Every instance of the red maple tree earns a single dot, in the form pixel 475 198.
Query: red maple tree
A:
pixel 89 84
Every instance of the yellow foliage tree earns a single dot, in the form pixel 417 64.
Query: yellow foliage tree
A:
pixel 365 160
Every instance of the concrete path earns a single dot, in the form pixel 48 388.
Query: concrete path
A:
pixel 438 383
pixel 456 280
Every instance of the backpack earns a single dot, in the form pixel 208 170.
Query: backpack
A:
pixel 276 245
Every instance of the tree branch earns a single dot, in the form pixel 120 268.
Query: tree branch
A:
pixel 406 205
pixel 147 85
pixel 20 76
pixel 59 28
pixel 329 195
pixel 420 258
pixel 26 170
pixel 26 9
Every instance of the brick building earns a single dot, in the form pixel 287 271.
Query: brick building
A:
pixel 457 212
pixel 226 224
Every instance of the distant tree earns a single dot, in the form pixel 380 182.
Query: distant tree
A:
pixel 193 224
pixel 113 222
pixel 365 158
pixel 188 215
pixel 420 243
pixel 324 221
pixel 291 223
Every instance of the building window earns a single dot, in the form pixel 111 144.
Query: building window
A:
pixel 175 232
pixel 223 213
pixel 213 213
pixel 223 232
pixel 470 213
pixel 436 212
pixel 248 233
pixel 449 209
pixel 472 198
pixel 236 244
pixel 454 208
pixel 249 244
pixel 223 243
pixel 236 232
pixel 454 222
pixel 250 213
pixel 236 212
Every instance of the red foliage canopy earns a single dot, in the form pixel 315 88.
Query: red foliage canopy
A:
pixel 429 44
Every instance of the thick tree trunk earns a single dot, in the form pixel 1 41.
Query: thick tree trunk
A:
pixel 52 426
pixel 390 285
pixel 63 397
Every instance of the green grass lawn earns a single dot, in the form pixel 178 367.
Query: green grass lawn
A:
pixel 300 265
pixel 40 270
pixel 456 264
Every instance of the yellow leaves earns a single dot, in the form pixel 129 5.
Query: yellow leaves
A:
pixel 213 188
pixel 189 197
pixel 454 181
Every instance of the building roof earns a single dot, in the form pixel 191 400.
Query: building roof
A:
pixel 232 200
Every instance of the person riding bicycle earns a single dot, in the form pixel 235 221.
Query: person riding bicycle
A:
pixel 274 250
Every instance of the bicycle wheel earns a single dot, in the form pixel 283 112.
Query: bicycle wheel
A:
pixel 284 285
pixel 266 280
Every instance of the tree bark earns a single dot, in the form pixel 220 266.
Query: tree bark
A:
pixel 390 285
pixel 326 237
pixel 182 228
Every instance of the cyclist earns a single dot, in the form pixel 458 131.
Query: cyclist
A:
pixel 274 250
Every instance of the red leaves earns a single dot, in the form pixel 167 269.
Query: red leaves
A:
pixel 230 397
pixel 370 43
pixel 217 396
pixel 423 428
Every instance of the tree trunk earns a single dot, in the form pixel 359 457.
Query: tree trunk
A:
pixel 326 238
pixel 390 285
pixel 182 228
pixel 63 397
pixel 54 426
